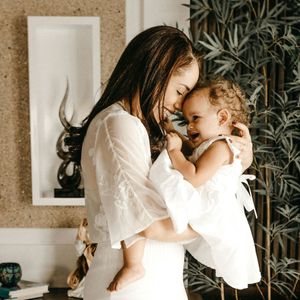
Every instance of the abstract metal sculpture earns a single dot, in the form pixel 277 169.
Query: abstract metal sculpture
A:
pixel 67 148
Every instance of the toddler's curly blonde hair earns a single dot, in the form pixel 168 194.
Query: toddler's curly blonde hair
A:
pixel 225 93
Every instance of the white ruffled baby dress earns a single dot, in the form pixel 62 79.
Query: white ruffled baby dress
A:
pixel 216 211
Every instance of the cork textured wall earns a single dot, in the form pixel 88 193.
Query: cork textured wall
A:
pixel 15 164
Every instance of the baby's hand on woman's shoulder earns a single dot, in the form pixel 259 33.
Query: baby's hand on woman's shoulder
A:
pixel 168 125
pixel 174 142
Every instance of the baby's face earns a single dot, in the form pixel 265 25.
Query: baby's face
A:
pixel 202 117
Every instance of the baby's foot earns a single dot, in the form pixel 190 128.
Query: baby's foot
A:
pixel 126 276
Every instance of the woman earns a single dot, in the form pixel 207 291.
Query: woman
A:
pixel 121 135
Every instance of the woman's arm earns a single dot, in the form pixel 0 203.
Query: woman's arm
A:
pixel 129 198
pixel 163 231
pixel 244 144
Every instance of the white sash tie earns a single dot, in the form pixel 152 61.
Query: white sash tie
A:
pixel 245 195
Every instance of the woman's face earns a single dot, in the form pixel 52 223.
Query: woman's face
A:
pixel 179 85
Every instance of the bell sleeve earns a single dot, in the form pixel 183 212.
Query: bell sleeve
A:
pixel 122 161
pixel 181 198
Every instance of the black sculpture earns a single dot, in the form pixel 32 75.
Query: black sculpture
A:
pixel 68 149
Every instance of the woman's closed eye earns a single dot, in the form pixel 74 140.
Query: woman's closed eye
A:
pixel 184 122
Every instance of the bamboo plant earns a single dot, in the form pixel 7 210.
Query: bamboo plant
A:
pixel 256 44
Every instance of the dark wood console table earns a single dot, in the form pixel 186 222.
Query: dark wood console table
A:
pixel 57 294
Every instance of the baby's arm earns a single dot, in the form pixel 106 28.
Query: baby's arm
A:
pixel 163 230
pixel 209 162
pixel 187 146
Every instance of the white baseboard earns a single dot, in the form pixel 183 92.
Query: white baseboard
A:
pixel 46 255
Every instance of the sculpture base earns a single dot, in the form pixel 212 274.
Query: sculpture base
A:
pixel 67 193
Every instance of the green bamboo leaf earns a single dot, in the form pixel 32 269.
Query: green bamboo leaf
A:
pixel 268 132
pixel 262 12
pixel 255 93
pixel 236 41
pixel 208 46
pixel 260 192
pixel 212 54
pixel 202 14
pixel 244 40
pixel 230 40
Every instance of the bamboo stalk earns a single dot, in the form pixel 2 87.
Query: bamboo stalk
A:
pixel 295 285
pixel 260 291
pixel 222 291
pixel 236 294
pixel 268 199
pixel 268 241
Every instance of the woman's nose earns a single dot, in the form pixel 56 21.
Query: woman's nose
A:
pixel 178 105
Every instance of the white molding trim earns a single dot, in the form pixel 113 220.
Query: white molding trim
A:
pixel 134 18
pixel 37 236
pixel 142 14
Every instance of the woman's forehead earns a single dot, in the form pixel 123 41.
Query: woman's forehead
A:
pixel 188 76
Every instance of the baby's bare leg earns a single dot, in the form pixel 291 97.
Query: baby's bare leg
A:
pixel 132 269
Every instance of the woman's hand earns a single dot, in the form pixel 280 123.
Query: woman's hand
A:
pixel 244 144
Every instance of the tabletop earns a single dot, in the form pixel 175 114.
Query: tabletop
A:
pixel 57 294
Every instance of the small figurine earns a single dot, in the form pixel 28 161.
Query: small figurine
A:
pixel 85 252
pixel 68 150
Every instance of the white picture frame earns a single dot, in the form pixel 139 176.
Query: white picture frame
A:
pixel 59 49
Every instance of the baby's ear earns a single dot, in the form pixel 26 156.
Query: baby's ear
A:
pixel 224 116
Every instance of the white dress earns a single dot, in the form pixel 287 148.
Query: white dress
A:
pixel 216 211
pixel 121 201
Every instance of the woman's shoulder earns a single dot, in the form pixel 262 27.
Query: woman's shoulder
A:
pixel 115 115
pixel 115 119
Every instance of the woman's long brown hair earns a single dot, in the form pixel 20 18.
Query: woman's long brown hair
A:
pixel 145 67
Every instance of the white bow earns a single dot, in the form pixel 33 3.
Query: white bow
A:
pixel 245 195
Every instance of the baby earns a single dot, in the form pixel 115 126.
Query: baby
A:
pixel 216 211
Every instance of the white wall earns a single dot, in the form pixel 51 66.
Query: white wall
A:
pixel 142 14
pixel 45 255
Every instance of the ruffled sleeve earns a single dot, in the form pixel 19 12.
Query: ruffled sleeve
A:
pixel 122 161
pixel 182 199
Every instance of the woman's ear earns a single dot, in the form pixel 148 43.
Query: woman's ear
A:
pixel 224 116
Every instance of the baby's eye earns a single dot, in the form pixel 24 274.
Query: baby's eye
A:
pixel 194 118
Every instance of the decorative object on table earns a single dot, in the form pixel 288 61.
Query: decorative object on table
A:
pixel 24 290
pixel 68 150
pixel 10 273
pixel 85 252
